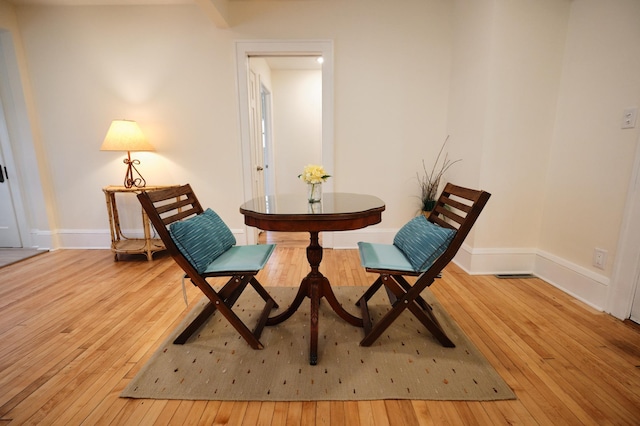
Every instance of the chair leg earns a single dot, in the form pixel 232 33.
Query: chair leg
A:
pixel 367 323
pixel 203 316
pixel 371 290
pixel 405 284
pixel 432 324
pixel 223 302
pixel 262 292
pixel 401 299
pixel 227 295
pixel 382 325
pixel 264 316
pixel 412 299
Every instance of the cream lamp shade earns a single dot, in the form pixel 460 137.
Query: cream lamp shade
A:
pixel 125 135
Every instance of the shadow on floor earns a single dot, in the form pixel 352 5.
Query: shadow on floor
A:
pixel 9 256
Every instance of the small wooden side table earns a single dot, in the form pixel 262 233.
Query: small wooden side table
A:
pixel 120 244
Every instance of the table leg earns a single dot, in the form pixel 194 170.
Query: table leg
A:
pixel 315 286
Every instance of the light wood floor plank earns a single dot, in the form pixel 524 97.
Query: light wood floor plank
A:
pixel 76 327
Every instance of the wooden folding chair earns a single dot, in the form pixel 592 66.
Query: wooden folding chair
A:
pixel 422 248
pixel 204 247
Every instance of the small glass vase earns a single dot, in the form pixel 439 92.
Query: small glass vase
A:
pixel 314 192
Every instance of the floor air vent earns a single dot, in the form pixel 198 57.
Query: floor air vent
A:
pixel 514 276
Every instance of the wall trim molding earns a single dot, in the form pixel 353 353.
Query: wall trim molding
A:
pixel 577 281
pixel 583 284
pixel 41 239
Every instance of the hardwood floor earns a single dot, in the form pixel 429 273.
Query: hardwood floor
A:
pixel 76 326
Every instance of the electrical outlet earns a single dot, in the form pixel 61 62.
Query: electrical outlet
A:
pixel 629 118
pixel 599 258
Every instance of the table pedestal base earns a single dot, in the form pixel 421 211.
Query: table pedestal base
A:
pixel 315 286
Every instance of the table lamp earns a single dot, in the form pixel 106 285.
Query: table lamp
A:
pixel 125 135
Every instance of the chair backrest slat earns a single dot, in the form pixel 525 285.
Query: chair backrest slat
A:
pixel 176 205
pixel 451 215
pixel 456 204
pixel 165 206
pixel 440 222
pixel 169 193
pixel 448 209
pixel 180 215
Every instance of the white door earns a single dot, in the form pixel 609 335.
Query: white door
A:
pixel 255 129
pixel 9 234
pixel 635 308
pixel 265 115
pixel 12 215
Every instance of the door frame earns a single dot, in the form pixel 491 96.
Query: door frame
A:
pixel 248 48
pixel 6 163
pixel 626 268
pixel 10 85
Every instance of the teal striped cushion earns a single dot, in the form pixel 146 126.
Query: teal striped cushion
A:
pixel 422 242
pixel 241 258
pixel 202 238
pixel 383 256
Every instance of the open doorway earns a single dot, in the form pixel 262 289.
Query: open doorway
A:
pixel 286 122
pixel 263 171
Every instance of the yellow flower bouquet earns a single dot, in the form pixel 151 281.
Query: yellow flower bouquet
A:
pixel 314 175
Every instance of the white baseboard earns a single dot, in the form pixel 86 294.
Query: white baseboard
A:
pixel 575 280
pixel 481 261
pixel 101 238
pixel 581 283
pixel 89 238
pixel 41 240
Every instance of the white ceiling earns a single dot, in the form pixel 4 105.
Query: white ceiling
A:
pixel 293 63
pixel 97 2
pixel 103 2
pixel 304 63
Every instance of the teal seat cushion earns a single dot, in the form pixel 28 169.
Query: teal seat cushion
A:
pixel 202 238
pixel 383 256
pixel 241 258
pixel 422 242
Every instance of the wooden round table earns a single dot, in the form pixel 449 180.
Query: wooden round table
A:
pixel 293 213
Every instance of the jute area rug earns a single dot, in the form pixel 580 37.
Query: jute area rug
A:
pixel 406 362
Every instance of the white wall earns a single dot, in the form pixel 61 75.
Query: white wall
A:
pixel 532 93
pixel 90 65
pixel 506 72
pixel 391 77
pixel 591 157
pixel 297 130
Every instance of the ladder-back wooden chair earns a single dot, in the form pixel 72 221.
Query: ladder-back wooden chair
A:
pixel 422 248
pixel 202 244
